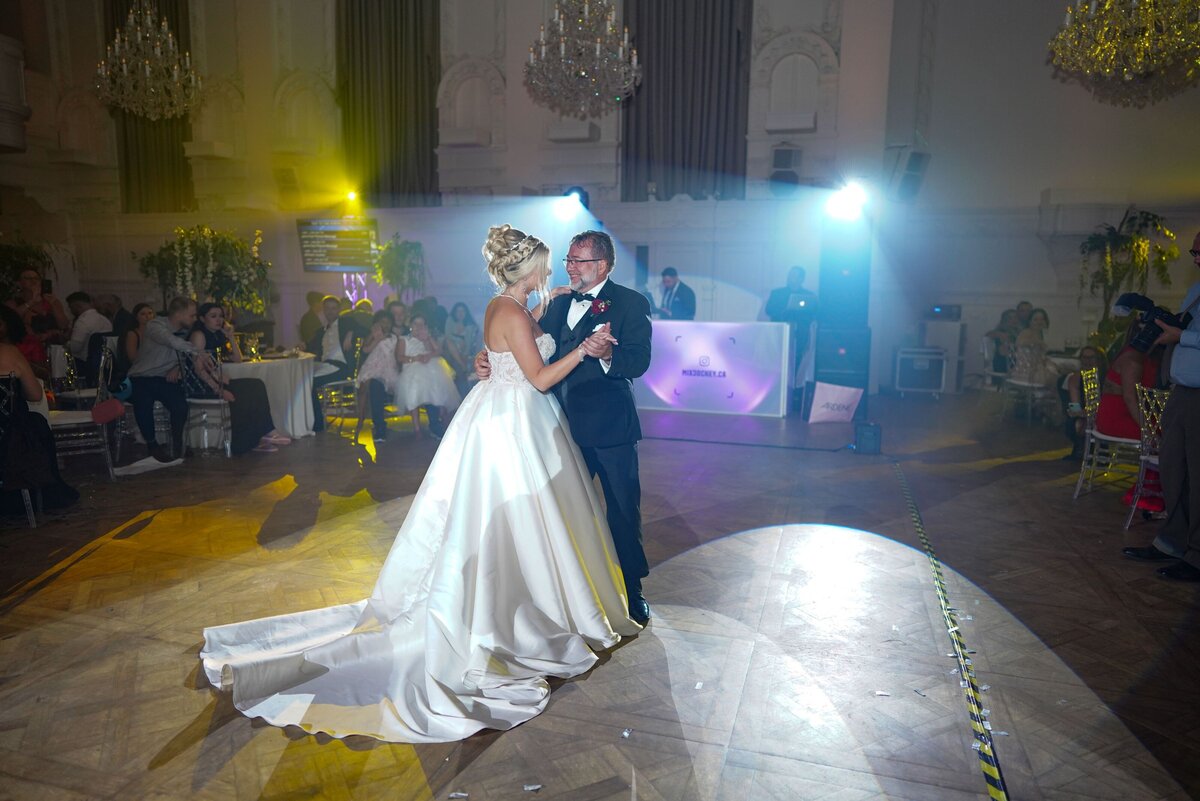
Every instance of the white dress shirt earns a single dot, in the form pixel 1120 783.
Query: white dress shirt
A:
pixel 580 308
pixel 87 323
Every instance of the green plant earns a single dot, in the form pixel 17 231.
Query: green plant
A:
pixel 212 265
pixel 1122 258
pixel 401 265
pixel 16 255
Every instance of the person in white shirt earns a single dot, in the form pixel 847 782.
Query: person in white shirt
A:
pixel 88 321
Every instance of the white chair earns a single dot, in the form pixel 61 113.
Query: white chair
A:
pixel 993 379
pixel 1103 453
pixel 1021 385
pixel 75 432
pixel 203 409
pixel 1151 403
pixel 339 399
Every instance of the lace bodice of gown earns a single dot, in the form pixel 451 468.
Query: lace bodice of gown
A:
pixel 505 369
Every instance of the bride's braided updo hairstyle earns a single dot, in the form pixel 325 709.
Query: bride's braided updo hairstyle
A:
pixel 512 255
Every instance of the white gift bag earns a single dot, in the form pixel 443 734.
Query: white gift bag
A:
pixel 834 404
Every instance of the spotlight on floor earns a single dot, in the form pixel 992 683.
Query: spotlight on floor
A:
pixel 847 203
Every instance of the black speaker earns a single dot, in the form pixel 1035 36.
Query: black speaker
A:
pixel 843 356
pixel 845 274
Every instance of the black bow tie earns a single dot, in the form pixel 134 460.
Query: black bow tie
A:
pixel 577 296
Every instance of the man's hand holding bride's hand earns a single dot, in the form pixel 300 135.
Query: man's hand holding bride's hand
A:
pixel 600 344
pixel 483 367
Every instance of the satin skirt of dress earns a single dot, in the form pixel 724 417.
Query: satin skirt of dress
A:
pixel 503 573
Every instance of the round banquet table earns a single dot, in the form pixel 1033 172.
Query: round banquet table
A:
pixel 289 389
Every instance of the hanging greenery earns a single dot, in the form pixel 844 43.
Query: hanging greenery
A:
pixel 209 265
pixel 401 265
pixel 1122 258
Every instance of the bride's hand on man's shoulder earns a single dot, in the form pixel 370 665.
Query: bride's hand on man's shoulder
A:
pixel 559 290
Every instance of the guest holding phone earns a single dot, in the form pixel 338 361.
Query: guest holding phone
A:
pixel 41 312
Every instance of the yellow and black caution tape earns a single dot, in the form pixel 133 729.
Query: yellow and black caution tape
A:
pixel 989 760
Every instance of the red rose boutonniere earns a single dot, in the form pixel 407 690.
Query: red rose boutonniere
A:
pixel 600 306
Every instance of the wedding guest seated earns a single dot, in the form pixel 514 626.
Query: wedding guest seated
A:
pixel 250 423
pixel 333 345
pixel 155 376
pixel 1118 414
pixel 425 378
pixel 121 318
pixel 1024 312
pixel 1031 365
pixel 27 453
pixel 1070 392
pixel 378 374
pixel 399 313
pixel 311 322
pixel 41 312
pixel 131 340
pixel 1004 339
pixel 30 346
pixel 462 341
pixel 88 321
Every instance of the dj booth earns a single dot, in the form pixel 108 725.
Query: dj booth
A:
pixel 724 368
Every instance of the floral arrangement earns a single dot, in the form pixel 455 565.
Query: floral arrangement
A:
pixel 205 264
pixel 401 265
pixel 600 306
pixel 1122 258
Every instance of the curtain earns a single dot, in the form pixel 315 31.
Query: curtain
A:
pixel 388 66
pixel 155 173
pixel 685 127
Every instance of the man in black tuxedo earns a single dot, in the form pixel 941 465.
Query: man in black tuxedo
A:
pixel 678 299
pixel 333 345
pixel 597 396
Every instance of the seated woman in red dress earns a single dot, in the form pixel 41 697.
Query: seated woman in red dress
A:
pixel 1118 414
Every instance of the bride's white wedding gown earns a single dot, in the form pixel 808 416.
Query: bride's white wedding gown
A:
pixel 502 574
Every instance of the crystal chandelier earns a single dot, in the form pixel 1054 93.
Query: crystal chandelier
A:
pixel 1130 52
pixel 143 71
pixel 580 65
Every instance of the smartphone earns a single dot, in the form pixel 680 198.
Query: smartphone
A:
pixel 47 286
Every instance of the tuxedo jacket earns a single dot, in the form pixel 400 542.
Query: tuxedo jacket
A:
pixel 683 303
pixel 600 405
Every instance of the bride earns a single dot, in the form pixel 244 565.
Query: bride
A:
pixel 503 573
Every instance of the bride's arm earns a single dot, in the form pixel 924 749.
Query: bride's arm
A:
pixel 513 327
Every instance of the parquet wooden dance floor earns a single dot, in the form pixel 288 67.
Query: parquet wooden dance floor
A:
pixel 798 649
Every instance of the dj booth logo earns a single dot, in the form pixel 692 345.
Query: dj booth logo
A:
pixel 704 361
pixel 831 406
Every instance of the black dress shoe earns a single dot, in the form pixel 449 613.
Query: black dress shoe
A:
pixel 639 610
pixel 1146 554
pixel 1180 571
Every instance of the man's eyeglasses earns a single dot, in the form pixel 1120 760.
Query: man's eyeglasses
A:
pixel 579 261
pixel 1194 253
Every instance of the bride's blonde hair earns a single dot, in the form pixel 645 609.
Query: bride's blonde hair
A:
pixel 512 255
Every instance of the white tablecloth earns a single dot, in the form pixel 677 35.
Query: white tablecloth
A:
pixel 289 390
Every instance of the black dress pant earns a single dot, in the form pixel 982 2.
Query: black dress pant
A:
pixel 147 390
pixel 617 467
pixel 1179 472
pixel 342 374
pixel 377 398
pixel 249 414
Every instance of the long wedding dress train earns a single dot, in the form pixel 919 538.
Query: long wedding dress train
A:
pixel 503 573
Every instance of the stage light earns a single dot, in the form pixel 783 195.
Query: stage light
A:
pixel 579 193
pixel 568 207
pixel 847 203
pixel 352 196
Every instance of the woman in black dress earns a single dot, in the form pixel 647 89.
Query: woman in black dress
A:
pixel 249 411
